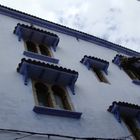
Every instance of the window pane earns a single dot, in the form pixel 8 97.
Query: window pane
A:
pixel 31 46
pixel 58 101
pixel 42 94
pixel 133 127
pixel 133 75
pixel 100 75
pixel 60 97
pixel 44 50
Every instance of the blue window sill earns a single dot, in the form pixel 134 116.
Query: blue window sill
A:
pixel 41 57
pixel 137 82
pixel 57 112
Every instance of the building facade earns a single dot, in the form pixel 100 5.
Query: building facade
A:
pixel 59 83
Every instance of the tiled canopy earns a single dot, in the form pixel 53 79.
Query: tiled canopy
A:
pixel 90 61
pixel 124 109
pixel 130 63
pixel 34 34
pixel 124 61
pixel 48 73
pixel 117 60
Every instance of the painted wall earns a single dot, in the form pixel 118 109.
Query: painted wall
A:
pixel 92 97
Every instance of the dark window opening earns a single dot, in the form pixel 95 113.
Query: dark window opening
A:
pixel 43 94
pixel 100 75
pixel 132 67
pixel 60 98
pixel 133 127
pixel 132 74
pixel 44 50
pixel 51 96
pixel 31 46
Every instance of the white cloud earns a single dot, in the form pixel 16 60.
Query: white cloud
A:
pixel 114 20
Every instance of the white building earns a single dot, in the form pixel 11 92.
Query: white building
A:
pixel 58 81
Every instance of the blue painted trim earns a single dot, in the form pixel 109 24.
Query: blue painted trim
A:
pixel 117 60
pixel 116 112
pixel 72 88
pixel 72 85
pixel 26 76
pixel 137 82
pixel 106 71
pixel 65 30
pixel 89 63
pixel 57 112
pixel 22 31
pixel 41 57
pixel 19 33
pixel 86 63
pixel 54 48
pixel 57 76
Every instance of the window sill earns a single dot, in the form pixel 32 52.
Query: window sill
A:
pixel 41 57
pixel 57 112
pixel 137 82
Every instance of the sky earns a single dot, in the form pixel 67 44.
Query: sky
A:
pixel 117 21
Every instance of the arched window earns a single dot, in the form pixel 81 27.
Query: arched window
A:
pixel 44 50
pixel 60 98
pixel 43 95
pixel 31 46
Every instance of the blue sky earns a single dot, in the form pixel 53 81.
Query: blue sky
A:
pixel 114 20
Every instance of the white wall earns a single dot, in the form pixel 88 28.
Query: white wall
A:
pixel 92 97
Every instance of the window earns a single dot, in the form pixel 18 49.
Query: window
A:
pixel 131 65
pixel 45 50
pixel 100 75
pixel 132 74
pixel 98 66
pixel 133 126
pixel 38 43
pixel 129 114
pixel 38 48
pixel 31 47
pixel 42 94
pixel 52 96
pixel 39 51
pixel 61 98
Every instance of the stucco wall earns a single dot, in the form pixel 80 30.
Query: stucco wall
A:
pixel 92 97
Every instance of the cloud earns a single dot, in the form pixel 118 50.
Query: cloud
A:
pixel 115 20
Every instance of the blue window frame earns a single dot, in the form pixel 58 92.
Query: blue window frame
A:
pixel 129 114
pixel 39 51
pixel 58 78
pixel 47 72
pixel 98 66
pixel 53 100
pixel 124 109
pixel 38 43
pixel 131 65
